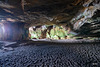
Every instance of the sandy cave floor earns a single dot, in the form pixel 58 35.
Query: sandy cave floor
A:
pixel 49 54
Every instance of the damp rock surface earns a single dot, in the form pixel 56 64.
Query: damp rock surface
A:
pixel 52 55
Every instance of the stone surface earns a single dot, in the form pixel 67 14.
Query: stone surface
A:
pixel 52 55
pixel 80 16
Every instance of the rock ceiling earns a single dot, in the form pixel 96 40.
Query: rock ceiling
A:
pixel 79 15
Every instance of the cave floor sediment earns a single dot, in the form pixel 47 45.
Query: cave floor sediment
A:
pixel 50 55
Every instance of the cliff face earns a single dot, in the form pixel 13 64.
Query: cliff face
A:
pixel 81 16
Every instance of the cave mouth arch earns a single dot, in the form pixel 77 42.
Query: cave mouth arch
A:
pixel 17 31
pixel 54 32
pixel 48 32
pixel 74 13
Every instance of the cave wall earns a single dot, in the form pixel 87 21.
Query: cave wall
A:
pixel 13 31
pixel 73 14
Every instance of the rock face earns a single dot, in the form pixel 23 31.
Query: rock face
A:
pixel 13 31
pixel 74 14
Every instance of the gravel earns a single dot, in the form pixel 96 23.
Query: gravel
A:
pixel 52 55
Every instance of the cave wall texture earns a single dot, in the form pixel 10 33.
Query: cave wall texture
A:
pixel 13 31
pixel 81 16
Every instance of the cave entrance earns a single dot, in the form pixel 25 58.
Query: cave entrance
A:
pixel 13 31
pixel 55 32
pixel 50 32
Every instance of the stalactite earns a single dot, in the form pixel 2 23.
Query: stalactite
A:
pixel 22 4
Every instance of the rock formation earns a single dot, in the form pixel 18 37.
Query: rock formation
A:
pixel 81 16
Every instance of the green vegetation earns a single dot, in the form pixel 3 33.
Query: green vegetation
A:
pixel 57 32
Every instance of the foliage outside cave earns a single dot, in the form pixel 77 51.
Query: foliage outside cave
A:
pixel 54 32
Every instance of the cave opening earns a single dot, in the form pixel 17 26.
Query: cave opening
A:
pixel 49 33
pixel 13 31
pixel 55 32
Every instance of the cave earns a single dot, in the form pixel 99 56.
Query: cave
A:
pixel 49 33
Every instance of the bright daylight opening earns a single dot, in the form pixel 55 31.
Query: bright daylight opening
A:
pixel 49 32
pixel 53 32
